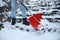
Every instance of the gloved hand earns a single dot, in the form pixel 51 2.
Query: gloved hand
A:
pixel 20 1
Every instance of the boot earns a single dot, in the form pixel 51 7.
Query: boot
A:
pixel 1 26
pixel 13 21
pixel 9 19
pixel 25 21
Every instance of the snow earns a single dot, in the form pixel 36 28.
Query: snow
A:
pixel 15 34
pixel 10 32
pixel 19 35
pixel 2 3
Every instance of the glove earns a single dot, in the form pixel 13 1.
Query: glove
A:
pixel 20 1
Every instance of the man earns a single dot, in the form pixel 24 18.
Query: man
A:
pixel 13 15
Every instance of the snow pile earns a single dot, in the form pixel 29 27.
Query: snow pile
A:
pixel 43 23
pixel 2 3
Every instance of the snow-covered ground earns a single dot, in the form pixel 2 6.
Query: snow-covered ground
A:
pixel 12 33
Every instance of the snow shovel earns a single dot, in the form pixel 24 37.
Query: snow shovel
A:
pixel 35 21
pixel 24 6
